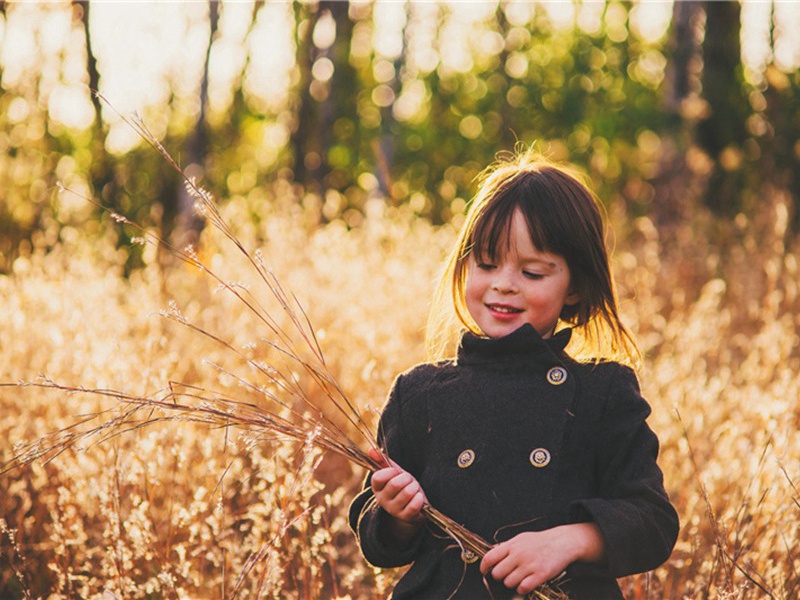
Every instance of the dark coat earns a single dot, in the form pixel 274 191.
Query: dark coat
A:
pixel 516 436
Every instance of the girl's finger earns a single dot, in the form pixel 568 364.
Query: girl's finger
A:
pixel 397 484
pixel 503 570
pixel 514 578
pixel 381 478
pixel 408 491
pixel 411 510
pixel 530 583
pixel 378 457
pixel 416 503
pixel 492 557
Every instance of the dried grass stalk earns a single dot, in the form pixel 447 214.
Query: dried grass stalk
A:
pixel 298 349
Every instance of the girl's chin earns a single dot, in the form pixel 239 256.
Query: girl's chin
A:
pixel 498 330
pixel 501 330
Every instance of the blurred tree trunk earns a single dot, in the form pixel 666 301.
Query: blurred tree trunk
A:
pixel 384 145
pixel 102 176
pixel 229 134
pixel 188 224
pixel 672 202
pixel 721 133
pixel 321 103
pixel 507 135
pixel 339 99
pixel 780 159
pixel 3 15
pixel 305 144
pixel 683 47
pixel 8 233
pixel 91 63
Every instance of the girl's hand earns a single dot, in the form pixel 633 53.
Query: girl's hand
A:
pixel 400 495
pixel 396 490
pixel 531 559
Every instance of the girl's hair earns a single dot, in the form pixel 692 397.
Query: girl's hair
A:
pixel 563 217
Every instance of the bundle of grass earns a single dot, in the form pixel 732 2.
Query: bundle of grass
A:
pixel 299 398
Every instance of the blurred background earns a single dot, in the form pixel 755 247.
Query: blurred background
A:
pixel 342 141
pixel 669 107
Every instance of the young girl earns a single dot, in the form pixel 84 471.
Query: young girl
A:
pixel 546 456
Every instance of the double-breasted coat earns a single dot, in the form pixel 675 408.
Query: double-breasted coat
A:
pixel 516 436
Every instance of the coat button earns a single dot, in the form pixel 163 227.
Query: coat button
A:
pixel 557 375
pixel 466 458
pixel 540 458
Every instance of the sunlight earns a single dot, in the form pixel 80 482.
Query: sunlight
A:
pixel 389 20
pixel 590 17
pixel 755 35
pixel 71 106
pixel 271 53
pixel 34 37
pixel 422 54
pixel 650 20
pixel 144 57
pixel 756 51
pixel 562 14
pixel 140 56
pixel 787 46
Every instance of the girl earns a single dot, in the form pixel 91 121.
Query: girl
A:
pixel 546 455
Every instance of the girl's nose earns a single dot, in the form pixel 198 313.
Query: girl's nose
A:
pixel 504 282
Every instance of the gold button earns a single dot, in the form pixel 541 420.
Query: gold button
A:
pixel 468 556
pixel 540 458
pixel 557 375
pixel 466 458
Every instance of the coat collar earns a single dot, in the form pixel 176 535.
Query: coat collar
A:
pixel 522 347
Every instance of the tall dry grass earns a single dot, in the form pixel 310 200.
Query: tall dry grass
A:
pixel 182 511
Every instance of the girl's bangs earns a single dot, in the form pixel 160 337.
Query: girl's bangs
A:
pixel 492 229
pixel 491 234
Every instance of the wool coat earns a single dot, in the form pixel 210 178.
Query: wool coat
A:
pixel 516 436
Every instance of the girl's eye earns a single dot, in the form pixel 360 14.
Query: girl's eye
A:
pixel 485 266
pixel 530 275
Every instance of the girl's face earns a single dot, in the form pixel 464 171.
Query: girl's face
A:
pixel 522 285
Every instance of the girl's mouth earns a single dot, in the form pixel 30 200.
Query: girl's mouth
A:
pixel 501 308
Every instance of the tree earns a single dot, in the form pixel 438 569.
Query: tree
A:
pixel 188 224
pixel 384 144
pixel 683 48
pixel 779 129
pixel 340 154
pixel 83 9
pixel 672 201
pixel 505 111
pixel 3 15
pixel 308 159
pixel 721 133
pixel 102 168
pixel 327 91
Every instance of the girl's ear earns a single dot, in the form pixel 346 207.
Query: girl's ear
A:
pixel 572 298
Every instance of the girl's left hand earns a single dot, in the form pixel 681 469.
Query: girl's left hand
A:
pixel 532 558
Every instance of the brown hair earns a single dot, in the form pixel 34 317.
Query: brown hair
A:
pixel 564 218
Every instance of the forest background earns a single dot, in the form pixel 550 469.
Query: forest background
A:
pixel 343 139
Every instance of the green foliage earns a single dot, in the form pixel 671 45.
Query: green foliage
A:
pixel 357 123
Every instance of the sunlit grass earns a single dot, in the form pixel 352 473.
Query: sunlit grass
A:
pixel 182 511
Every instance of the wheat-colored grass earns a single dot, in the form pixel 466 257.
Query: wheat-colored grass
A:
pixel 186 511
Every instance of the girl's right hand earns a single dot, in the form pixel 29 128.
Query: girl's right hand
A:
pixel 397 491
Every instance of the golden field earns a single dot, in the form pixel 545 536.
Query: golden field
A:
pixel 176 510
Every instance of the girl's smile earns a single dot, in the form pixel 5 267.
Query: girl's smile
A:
pixel 520 285
pixel 503 310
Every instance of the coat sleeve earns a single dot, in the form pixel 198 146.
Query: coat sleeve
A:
pixel 367 518
pixel 632 510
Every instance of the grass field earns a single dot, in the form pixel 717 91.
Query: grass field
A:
pixel 177 510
